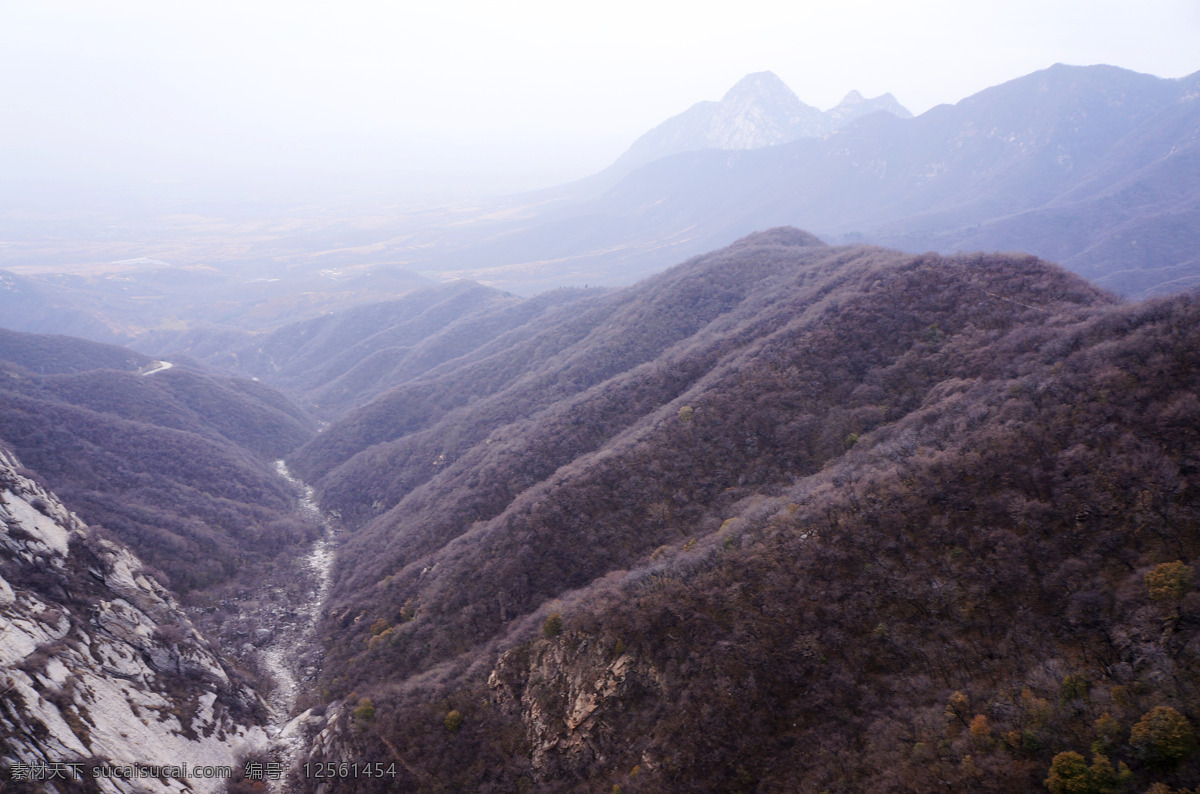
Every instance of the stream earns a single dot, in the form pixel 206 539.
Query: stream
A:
pixel 283 656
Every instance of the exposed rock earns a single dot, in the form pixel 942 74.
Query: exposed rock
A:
pixel 564 690
pixel 99 664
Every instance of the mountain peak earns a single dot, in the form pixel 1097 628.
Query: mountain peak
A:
pixel 759 110
pixel 855 106
pixel 760 85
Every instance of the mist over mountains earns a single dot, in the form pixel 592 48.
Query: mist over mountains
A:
pixel 1088 166
pixel 1091 167
pixel 691 486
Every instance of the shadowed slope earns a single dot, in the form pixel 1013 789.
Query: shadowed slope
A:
pixel 176 463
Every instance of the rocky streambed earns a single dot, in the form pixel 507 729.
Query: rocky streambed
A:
pixel 292 643
pixel 291 654
pixel 267 624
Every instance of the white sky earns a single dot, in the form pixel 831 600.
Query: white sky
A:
pixel 503 93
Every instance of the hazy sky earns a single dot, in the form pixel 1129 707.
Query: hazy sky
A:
pixel 494 93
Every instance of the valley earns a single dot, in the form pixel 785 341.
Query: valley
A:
pixel 732 471
pixel 1089 167
pixel 291 657
pixel 779 501
pixel 287 650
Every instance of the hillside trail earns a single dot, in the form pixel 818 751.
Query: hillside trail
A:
pixel 284 657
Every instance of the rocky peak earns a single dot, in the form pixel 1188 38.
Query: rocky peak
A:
pixel 763 87
pixel 854 106
pixel 759 110
pixel 852 98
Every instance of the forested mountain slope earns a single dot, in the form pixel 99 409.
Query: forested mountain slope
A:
pixel 51 353
pixel 344 359
pixel 825 518
pixel 177 463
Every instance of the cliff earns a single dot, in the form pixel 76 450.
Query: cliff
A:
pixel 100 667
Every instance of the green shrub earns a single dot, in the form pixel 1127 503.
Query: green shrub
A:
pixel 1169 581
pixel 365 712
pixel 553 625
pixel 1070 774
pixel 1163 737
pixel 1074 687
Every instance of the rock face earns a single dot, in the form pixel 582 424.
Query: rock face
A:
pixel 98 664
pixel 561 701
pixel 565 692
pixel 760 110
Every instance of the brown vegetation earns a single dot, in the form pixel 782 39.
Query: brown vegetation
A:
pixel 175 464
pixel 960 594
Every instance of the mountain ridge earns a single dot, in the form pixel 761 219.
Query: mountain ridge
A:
pixel 758 111
pixel 856 499
pixel 1087 166
pixel 176 464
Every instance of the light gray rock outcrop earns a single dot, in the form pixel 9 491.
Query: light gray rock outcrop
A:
pixel 99 666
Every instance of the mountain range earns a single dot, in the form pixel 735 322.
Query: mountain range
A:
pixel 760 110
pixel 345 359
pixel 1092 167
pixel 796 513
pixel 785 515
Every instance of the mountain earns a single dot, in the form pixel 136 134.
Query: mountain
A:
pixel 101 667
pixel 175 463
pixel 457 452
pixel 115 302
pixel 854 106
pixel 788 515
pixel 785 516
pixel 1093 167
pixel 344 359
pixel 58 354
pixel 760 110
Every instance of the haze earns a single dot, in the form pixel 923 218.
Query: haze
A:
pixel 472 96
